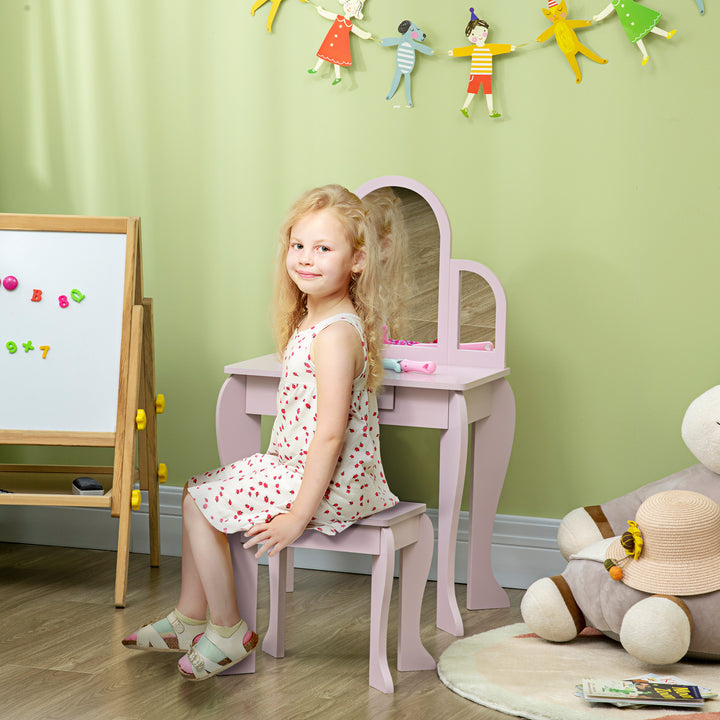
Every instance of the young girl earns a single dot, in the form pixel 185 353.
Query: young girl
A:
pixel 322 469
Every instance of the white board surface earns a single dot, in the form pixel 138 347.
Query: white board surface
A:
pixel 74 387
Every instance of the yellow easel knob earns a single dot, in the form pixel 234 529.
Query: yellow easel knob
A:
pixel 141 419
pixel 160 404
pixel 162 472
pixel 136 500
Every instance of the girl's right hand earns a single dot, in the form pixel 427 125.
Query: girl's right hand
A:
pixel 283 530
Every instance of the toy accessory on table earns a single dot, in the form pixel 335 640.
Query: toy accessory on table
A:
pixel 409 366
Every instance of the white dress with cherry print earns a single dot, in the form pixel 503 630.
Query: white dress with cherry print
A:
pixel 255 489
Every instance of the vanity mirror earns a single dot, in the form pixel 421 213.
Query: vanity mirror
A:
pixel 456 309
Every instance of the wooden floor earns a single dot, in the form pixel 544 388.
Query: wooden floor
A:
pixel 62 658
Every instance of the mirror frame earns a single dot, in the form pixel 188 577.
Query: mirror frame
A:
pixel 447 350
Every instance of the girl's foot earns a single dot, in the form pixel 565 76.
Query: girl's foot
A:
pixel 671 33
pixel 336 81
pixel 645 59
pixel 312 71
pixel 174 633
pixel 465 112
pixel 217 650
pixel 495 113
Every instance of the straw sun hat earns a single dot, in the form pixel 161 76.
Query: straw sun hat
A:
pixel 678 552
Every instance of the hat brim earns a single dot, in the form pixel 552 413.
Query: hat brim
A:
pixel 694 576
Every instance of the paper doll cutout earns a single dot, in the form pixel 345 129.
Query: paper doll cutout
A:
pixel 273 11
pixel 637 22
pixel 411 37
pixel 481 59
pixel 336 46
pixel 564 31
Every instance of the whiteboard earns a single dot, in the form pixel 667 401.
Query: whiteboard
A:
pixel 72 386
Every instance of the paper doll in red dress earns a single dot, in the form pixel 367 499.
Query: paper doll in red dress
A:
pixel 336 46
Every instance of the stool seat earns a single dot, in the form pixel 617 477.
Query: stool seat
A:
pixel 404 527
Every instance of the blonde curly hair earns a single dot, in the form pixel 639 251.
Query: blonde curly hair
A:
pixel 290 303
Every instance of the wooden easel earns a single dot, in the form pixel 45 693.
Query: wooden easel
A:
pixel 137 408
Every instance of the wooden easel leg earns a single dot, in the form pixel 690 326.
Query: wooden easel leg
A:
pixel 123 484
pixel 123 555
pixel 147 440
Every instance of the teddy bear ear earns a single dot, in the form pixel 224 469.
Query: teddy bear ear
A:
pixel 700 428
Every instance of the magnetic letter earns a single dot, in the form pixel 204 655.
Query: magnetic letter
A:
pixel 77 296
pixel 11 346
pixel 44 349
pixel 63 301
pixel 36 296
pixel 28 346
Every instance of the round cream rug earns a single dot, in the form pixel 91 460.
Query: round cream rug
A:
pixel 514 671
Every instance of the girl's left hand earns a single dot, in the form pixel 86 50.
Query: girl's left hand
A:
pixel 283 530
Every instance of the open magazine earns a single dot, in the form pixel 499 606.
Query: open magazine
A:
pixel 648 689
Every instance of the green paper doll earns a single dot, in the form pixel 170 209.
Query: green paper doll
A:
pixel 637 22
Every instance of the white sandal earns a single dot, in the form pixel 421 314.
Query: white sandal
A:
pixel 213 653
pixel 167 635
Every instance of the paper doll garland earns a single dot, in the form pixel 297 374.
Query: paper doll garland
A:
pixel 637 20
pixel 564 32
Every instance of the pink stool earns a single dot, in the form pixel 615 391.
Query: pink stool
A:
pixel 404 527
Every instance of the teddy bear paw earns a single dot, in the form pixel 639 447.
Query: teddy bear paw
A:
pixel 657 630
pixel 577 530
pixel 549 609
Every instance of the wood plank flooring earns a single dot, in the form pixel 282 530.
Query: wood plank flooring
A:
pixel 62 658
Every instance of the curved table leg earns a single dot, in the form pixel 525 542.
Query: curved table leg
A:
pixel 492 443
pixel 238 434
pixel 453 454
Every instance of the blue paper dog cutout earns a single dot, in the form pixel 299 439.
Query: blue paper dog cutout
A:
pixel 410 40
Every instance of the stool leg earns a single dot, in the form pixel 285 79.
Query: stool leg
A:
pixel 383 566
pixel 415 562
pixel 245 576
pixel 290 576
pixel 274 641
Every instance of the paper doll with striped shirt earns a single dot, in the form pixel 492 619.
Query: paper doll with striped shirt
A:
pixel 481 62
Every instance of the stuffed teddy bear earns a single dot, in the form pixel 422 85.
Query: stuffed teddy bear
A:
pixel 700 431
pixel 658 616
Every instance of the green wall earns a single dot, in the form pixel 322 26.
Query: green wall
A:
pixel 595 204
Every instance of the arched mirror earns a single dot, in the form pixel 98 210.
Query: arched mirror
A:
pixel 454 310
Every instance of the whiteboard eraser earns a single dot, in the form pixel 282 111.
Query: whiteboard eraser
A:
pixel 86 486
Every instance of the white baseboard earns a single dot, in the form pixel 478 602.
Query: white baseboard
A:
pixel 523 548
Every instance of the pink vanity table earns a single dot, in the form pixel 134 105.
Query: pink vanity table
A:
pixel 468 398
